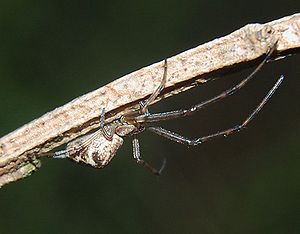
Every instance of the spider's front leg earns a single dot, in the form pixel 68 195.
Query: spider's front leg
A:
pixel 153 96
pixel 193 142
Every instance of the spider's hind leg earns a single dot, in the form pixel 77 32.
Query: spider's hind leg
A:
pixel 60 154
pixel 140 161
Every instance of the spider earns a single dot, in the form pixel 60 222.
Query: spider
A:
pixel 97 149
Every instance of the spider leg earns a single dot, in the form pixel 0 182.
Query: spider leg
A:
pixel 157 117
pixel 59 154
pixel 193 142
pixel 102 117
pixel 137 157
pixel 145 104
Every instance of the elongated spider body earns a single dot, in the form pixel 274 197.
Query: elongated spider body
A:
pixel 97 149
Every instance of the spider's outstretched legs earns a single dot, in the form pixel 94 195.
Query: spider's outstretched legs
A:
pixel 137 157
pixel 183 140
pixel 157 117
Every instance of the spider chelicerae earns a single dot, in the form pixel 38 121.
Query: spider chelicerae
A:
pixel 97 149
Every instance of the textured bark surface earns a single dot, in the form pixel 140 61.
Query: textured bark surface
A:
pixel 19 150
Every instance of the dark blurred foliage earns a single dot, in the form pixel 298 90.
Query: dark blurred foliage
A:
pixel 53 51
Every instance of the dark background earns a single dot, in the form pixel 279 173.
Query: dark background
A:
pixel 54 51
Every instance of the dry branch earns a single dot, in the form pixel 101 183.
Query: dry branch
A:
pixel 19 150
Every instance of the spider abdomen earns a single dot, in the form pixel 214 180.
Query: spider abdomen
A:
pixel 97 153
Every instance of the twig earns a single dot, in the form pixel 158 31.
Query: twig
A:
pixel 19 150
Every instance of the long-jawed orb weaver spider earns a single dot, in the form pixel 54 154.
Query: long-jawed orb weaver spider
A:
pixel 97 149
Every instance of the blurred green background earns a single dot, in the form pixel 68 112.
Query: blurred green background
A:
pixel 54 51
